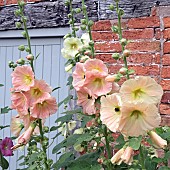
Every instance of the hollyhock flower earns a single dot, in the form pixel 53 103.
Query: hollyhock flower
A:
pixel 22 78
pixel 16 126
pixel 138 118
pixel 5 147
pixel 116 159
pixel 39 91
pixel 20 103
pixel 115 88
pixel 97 66
pixel 143 89
pixel 71 47
pixel 44 108
pixel 127 156
pixel 157 141
pixel 110 112
pixel 78 76
pixel 96 85
pixel 87 102
pixel 86 39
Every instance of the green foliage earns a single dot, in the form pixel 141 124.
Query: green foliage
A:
pixel 135 142
pixel 3 162
pixel 5 110
pixel 2 127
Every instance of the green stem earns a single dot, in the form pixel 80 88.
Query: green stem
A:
pixel 43 147
pixel 107 147
pixel 88 26
pixel 72 19
pixel 120 37
pixel 142 158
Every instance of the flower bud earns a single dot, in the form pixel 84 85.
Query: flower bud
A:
pixel 67 3
pixel 29 57
pixel 20 61
pixel 83 21
pixel 27 49
pixel 116 159
pixel 111 78
pixel 116 56
pixel 79 131
pixel 123 70
pixel 115 29
pixel 21 48
pixel 18 24
pixel 127 156
pixel 21 3
pixel 69 67
pixel 111 7
pixel 123 41
pixel 46 129
pixel 17 13
pixel 24 34
pixel 67 36
pixel 83 27
pixel 126 53
pixel 121 12
pixel 24 19
pixel 84 58
pixel 157 141
pixel 69 16
pixel 10 64
pixel 91 43
pixel 90 23
pixel 78 10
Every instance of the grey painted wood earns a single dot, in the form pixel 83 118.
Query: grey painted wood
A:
pixel 49 66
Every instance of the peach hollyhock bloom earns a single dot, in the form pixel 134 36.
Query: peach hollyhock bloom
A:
pixel 110 112
pixel 22 78
pixel 78 76
pixel 16 126
pixel 138 118
pixel 42 109
pixel 87 102
pixel 96 65
pixel 39 91
pixel 157 141
pixel 20 103
pixel 116 159
pixel 143 89
pixel 71 47
pixel 127 156
pixel 96 85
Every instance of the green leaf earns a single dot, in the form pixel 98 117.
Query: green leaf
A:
pixel 66 142
pixel 167 155
pixel 1 85
pixel 21 157
pixel 84 137
pixel 53 128
pixel 121 142
pixel 85 119
pixel 164 168
pixel 2 127
pixel 3 162
pixel 56 135
pixel 66 100
pixel 37 56
pixel 65 118
pixel 70 80
pixel 135 142
pixel 33 157
pixel 63 160
pixel 33 167
pixel 5 109
pixel 56 88
pixel 73 111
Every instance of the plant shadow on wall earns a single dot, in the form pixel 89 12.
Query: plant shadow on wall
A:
pixel 111 127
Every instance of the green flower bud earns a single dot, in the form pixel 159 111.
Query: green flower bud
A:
pixel 83 27
pixel 121 12
pixel 123 70
pixel 123 41
pixel 70 22
pixel 14 65
pixel 24 19
pixel 10 64
pixel 46 129
pixel 18 24
pixel 27 49
pixel 115 29
pixel 67 36
pixel 21 3
pixel 90 23
pixel 83 21
pixel 66 3
pixel 78 10
pixel 21 61
pixel 111 7
pixel 116 56
pixel 17 12
pixel 116 0
pixel 91 43
pixel 24 34
pixel 21 48
pixel 84 7
pixel 69 16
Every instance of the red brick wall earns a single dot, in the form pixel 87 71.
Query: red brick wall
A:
pixel 150 49
pixel 14 2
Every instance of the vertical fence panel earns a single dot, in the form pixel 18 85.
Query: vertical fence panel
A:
pixel 49 66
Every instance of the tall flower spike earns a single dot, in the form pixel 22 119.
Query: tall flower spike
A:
pixel 141 89
pixel 22 78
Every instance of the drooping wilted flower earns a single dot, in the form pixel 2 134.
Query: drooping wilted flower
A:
pixel 5 147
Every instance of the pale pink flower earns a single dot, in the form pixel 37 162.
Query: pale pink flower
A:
pixel 86 101
pixel 39 91
pixel 22 78
pixel 44 108
pixel 110 111
pixel 97 66
pixel 78 76
pixel 20 103
pixel 157 141
pixel 138 118
pixel 143 89
pixel 127 156
pixel 96 85
pixel 115 88
pixel 16 126
pixel 116 159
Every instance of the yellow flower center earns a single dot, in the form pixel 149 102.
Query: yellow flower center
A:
pixel 36 92
pixel 43 104
pixel 138 93
pixel 74 46
pixel 136 114
pixel 27 79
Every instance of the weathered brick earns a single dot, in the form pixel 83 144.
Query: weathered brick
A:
pixel 166 59
pixel 1 2
pixel 107 58
pixel 8 2
pixel 165 83
pixel 144 58
pixel 134 34
pixel 104 36
pixel 165 72
pixel 164 108
pixel 102 26
pixel 107 47
pixel 158 33
pixel 144 46
pixel 144 22
pixel 166 34
pixel 166 47
pixel 166 97
pixel 166 22
pixel 165 120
